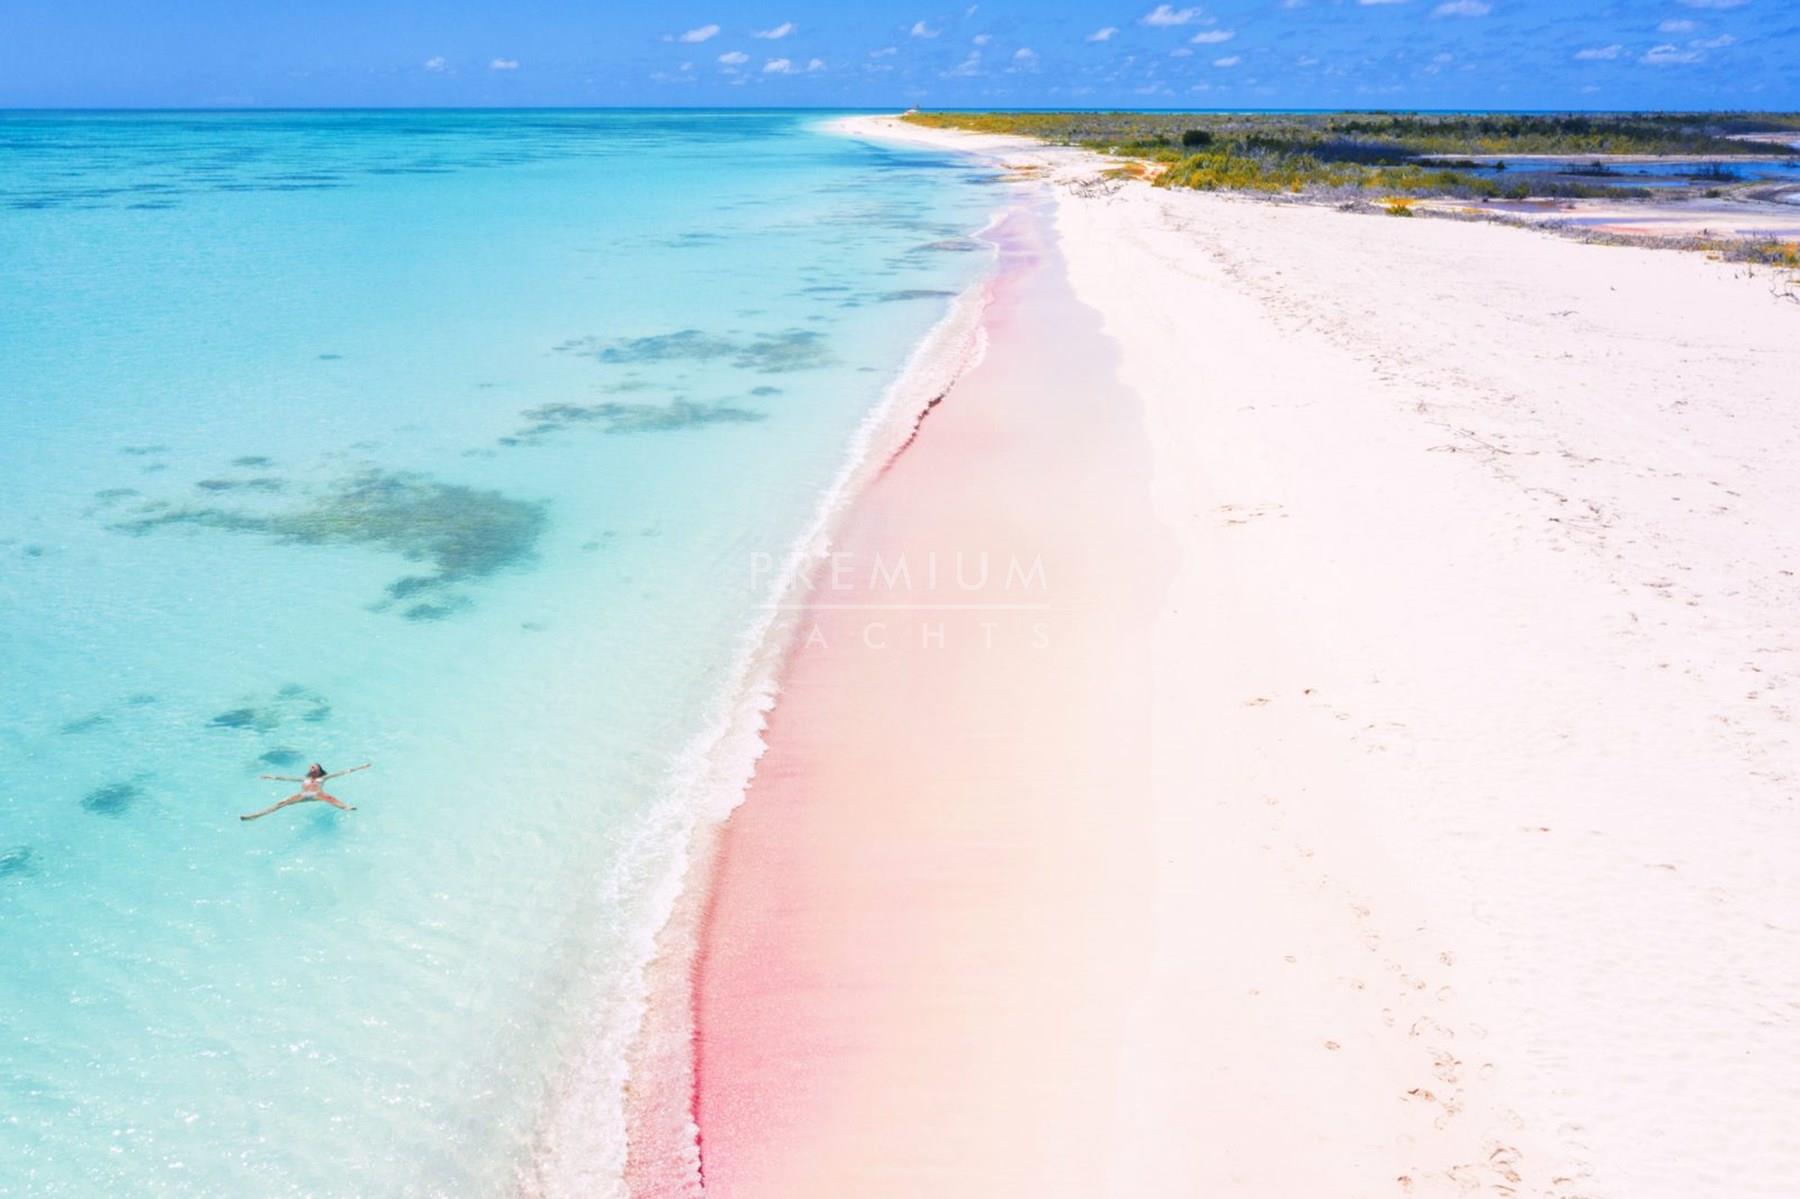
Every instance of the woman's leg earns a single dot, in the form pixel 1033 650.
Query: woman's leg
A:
pixel 296 797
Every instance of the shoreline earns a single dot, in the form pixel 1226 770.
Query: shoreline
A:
pixel 662 1142
pixel 657 1155
pixel 710 783
pixel 928 778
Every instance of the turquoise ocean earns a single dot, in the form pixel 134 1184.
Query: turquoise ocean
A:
pixel 445 441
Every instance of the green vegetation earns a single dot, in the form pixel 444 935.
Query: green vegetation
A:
pixel 1389 152
pixel 1268 170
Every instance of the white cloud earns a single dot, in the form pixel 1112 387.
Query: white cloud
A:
pixel 1676 26
pixel 732 58
pixel 778 66
pixel 703 33
pixel 1715 3
pixel 1103 35
pixel 1229 61
pixel 921 29
pixel 982 39
pixel 1463 8
pixel 1369 3
pixel 1212 37
pixel 1601 53
pixel 436 62
pixel 1181 52
pixel 780 31
pixel 1163 15
pixel 884 52
pixel 968 66
pixel 504 64
pixel 1669 54
pixel 815 64
pixel 1024 54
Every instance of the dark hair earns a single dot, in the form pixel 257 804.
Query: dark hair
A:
pixel 315 771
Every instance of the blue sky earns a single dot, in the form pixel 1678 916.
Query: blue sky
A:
pixel 1016 53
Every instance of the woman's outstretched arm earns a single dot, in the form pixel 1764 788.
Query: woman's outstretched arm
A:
pixel 281 778
pixel 341 773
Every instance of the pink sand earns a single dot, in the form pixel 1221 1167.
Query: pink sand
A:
pixel 926 886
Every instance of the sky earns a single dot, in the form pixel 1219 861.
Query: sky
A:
pixel 1515 54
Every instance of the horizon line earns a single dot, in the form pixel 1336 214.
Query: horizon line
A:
pixel 872 108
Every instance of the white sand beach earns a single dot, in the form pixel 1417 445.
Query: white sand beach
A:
pixel 1480 662
pixel 1465 843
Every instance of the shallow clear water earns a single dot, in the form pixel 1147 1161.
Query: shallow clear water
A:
pixel 1650 174
pixel 439 440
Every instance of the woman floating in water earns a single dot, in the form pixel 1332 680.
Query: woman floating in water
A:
pixel 311 788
